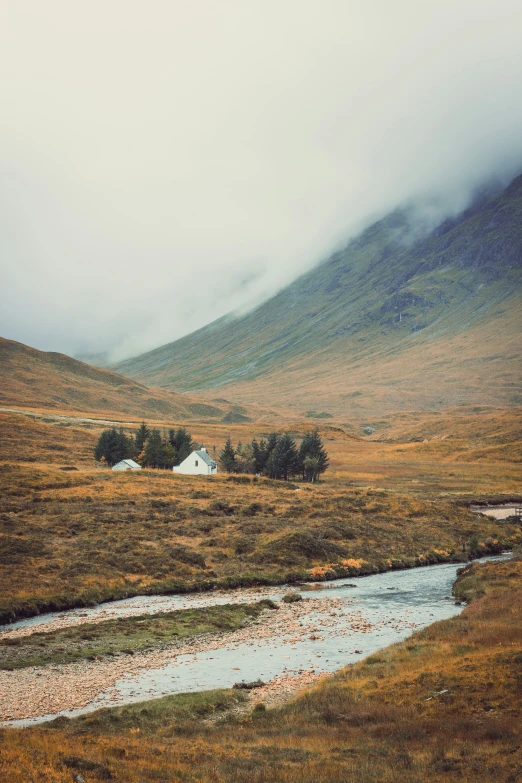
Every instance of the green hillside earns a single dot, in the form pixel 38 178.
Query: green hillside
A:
pixel 389 322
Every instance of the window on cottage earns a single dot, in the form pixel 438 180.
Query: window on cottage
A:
pixel 197 463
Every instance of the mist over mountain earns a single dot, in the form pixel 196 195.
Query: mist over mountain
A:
pixel 393 320
pixel 165 164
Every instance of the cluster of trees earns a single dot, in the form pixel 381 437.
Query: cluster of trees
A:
pixel 113 446
pixel 277 457
pixel 150 448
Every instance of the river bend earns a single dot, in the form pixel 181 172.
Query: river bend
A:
pixel 335 625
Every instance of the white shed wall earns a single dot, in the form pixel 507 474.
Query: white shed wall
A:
pixel 193 466
pixel 123 466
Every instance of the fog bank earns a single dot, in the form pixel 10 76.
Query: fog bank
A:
pixel 165 163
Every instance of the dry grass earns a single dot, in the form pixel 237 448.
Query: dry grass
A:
pixel 31 379
pixel 72 534
pixel 442 706
pixel 77 537
pixel 46 441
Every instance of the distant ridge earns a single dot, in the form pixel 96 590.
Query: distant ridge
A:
pixel 53 381
pixel 388 323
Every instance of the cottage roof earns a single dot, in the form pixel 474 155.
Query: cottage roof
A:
pixel 130 463
pixel 205 457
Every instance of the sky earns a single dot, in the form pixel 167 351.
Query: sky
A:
pixel 165 162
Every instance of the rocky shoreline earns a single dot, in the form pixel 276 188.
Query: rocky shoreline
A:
pixel 36 692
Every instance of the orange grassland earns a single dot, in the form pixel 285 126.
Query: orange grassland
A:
pixel 391 496
pixel 73 533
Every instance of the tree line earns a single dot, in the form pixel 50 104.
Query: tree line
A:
pixel 277 457
pixel 150 448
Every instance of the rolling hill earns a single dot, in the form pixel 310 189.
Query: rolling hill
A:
pixel 53 381
pixel 391 322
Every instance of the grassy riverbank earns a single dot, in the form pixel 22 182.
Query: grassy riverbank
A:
pixel 126 635
pixel 76 538
pixel 443 705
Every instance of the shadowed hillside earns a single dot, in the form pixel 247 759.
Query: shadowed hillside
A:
pixel 391 322
pixel 37 379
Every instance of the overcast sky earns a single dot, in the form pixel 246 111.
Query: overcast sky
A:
pixel 164 162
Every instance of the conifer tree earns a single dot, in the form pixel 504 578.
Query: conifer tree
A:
pixel 113 445
pixel 153 456
pixel 103 447
pixel 260 455
pixel 123 447
pixel 182 442
pixel 169 454
pixel 227 457
pixel 267 449
pixel 245 462
pixel 269 466
pixel 313 457
pixel 285 458
pixel 141 436
pixel 272 442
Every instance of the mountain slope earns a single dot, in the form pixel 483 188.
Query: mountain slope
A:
pixel 391 321
pixel 38 379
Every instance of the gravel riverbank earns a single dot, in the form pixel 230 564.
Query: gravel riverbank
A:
pixel 34 692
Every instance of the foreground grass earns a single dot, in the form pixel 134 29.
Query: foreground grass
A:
pixel 176 714
pixel 124 635
pixel 442 706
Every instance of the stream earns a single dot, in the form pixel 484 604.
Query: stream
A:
pixel 336 624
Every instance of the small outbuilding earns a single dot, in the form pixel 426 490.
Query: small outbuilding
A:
pixel 126 464
pixel 199 463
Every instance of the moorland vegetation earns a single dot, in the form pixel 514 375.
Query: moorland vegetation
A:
pixel 72 538
pixel 50 381
pixel 72 534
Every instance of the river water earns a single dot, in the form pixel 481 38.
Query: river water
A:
pixel 350 623
pixel 497 512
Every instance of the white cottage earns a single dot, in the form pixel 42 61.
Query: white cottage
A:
pixel 126 464
pixel 199 463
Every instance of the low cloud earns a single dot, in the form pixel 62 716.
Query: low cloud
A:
pixel 165 163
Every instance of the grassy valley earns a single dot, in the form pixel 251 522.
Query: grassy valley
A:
pixel 412 385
